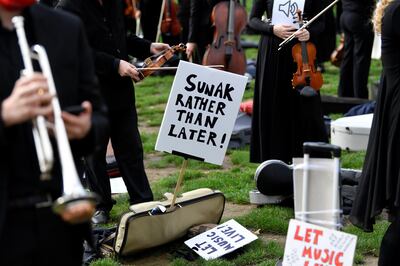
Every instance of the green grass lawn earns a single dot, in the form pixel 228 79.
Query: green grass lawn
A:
pixel 234 181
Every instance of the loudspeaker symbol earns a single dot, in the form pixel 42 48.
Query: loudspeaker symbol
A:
pixel 289 8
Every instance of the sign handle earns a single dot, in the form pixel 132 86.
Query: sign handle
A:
pixel 179 182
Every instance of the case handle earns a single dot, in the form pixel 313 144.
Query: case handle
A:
pixel 322 146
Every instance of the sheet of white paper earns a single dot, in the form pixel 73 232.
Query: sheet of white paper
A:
pixel 284 12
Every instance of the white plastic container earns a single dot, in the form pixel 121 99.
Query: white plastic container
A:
pixel 351 133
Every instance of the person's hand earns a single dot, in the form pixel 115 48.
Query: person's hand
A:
pixel 303 35
pixel 283 31
pixel 79 212
pixel 158 47
pixel 190 48
pixel 126 69
pixel 78 126
pixel 30 97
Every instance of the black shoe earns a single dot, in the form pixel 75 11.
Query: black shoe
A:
pixel 100 217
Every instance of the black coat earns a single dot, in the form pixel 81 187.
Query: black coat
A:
pixel 107 36
pixel 379 186
pixel 200 30
pixel 63 37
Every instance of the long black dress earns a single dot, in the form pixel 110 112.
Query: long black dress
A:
pixel 380 182
pixel 282 119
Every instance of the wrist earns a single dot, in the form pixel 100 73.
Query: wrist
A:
pixel 3 116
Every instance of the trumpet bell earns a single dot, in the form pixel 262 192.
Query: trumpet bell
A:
pixel 66 201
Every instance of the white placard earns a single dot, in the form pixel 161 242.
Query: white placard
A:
pixel 221 240
pixel 284 12
pixel 118 186
pixel 201 112
pixel 308 244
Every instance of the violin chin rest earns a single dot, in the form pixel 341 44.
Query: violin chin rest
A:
pixel 308 91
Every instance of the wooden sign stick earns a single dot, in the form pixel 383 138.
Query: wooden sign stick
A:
pixel 178 183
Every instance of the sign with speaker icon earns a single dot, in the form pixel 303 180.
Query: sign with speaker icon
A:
pixel 284 12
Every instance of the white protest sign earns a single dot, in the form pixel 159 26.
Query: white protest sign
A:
pixel 201 112
pixel 284 12
pixel 308 244
pixel 221 240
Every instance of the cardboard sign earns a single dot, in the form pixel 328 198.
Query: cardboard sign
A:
pixel 284 12
pixel 201 112
pixel 221 240
pixel 309 245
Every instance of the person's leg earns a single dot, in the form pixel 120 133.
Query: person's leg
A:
pixel 346 68
pixel 39 237
pixel 17 240
pixel 363 42
pixel 128 152
pixel 97 178
pixel 57 242
pixel 390 245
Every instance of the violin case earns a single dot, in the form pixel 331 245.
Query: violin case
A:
pixel 351 133
pixel 241 132
pixel 152 224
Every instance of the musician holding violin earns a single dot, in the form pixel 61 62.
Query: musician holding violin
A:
pixel 200 32
pixel 282 119
pixel 104 24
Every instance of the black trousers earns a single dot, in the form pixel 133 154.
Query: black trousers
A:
pixel 151 10
pixel 358 42
pixel 32 237
pixel 128 152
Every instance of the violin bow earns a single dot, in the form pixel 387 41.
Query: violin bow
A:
pixel 159 21
pixel 174 68
pixel 305 25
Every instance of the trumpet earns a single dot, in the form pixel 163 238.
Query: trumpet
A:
pixel 73 191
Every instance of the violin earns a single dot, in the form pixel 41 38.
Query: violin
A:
pixel 229 19
pixel 304 54
pixel 150 65
pixel 170 25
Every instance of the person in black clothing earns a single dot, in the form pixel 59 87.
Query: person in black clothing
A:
pixel 200 31
pixel 151 10
pixel 379 185
pixel 282 118
pixel 30 232
pixel 358 40
pixel 183 16
pixel 326 41
pixel 104 23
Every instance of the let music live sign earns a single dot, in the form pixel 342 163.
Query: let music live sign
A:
pixel 221 240
pixel 310 245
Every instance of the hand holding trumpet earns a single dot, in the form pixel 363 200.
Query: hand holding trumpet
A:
pixel 31 98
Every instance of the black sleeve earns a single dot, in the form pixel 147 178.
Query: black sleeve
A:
pixel 255 19
pixel 318 25
pixel 105 63
pixel 395 21
pixel 89 91
pixel 138 47
pixel 194 20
